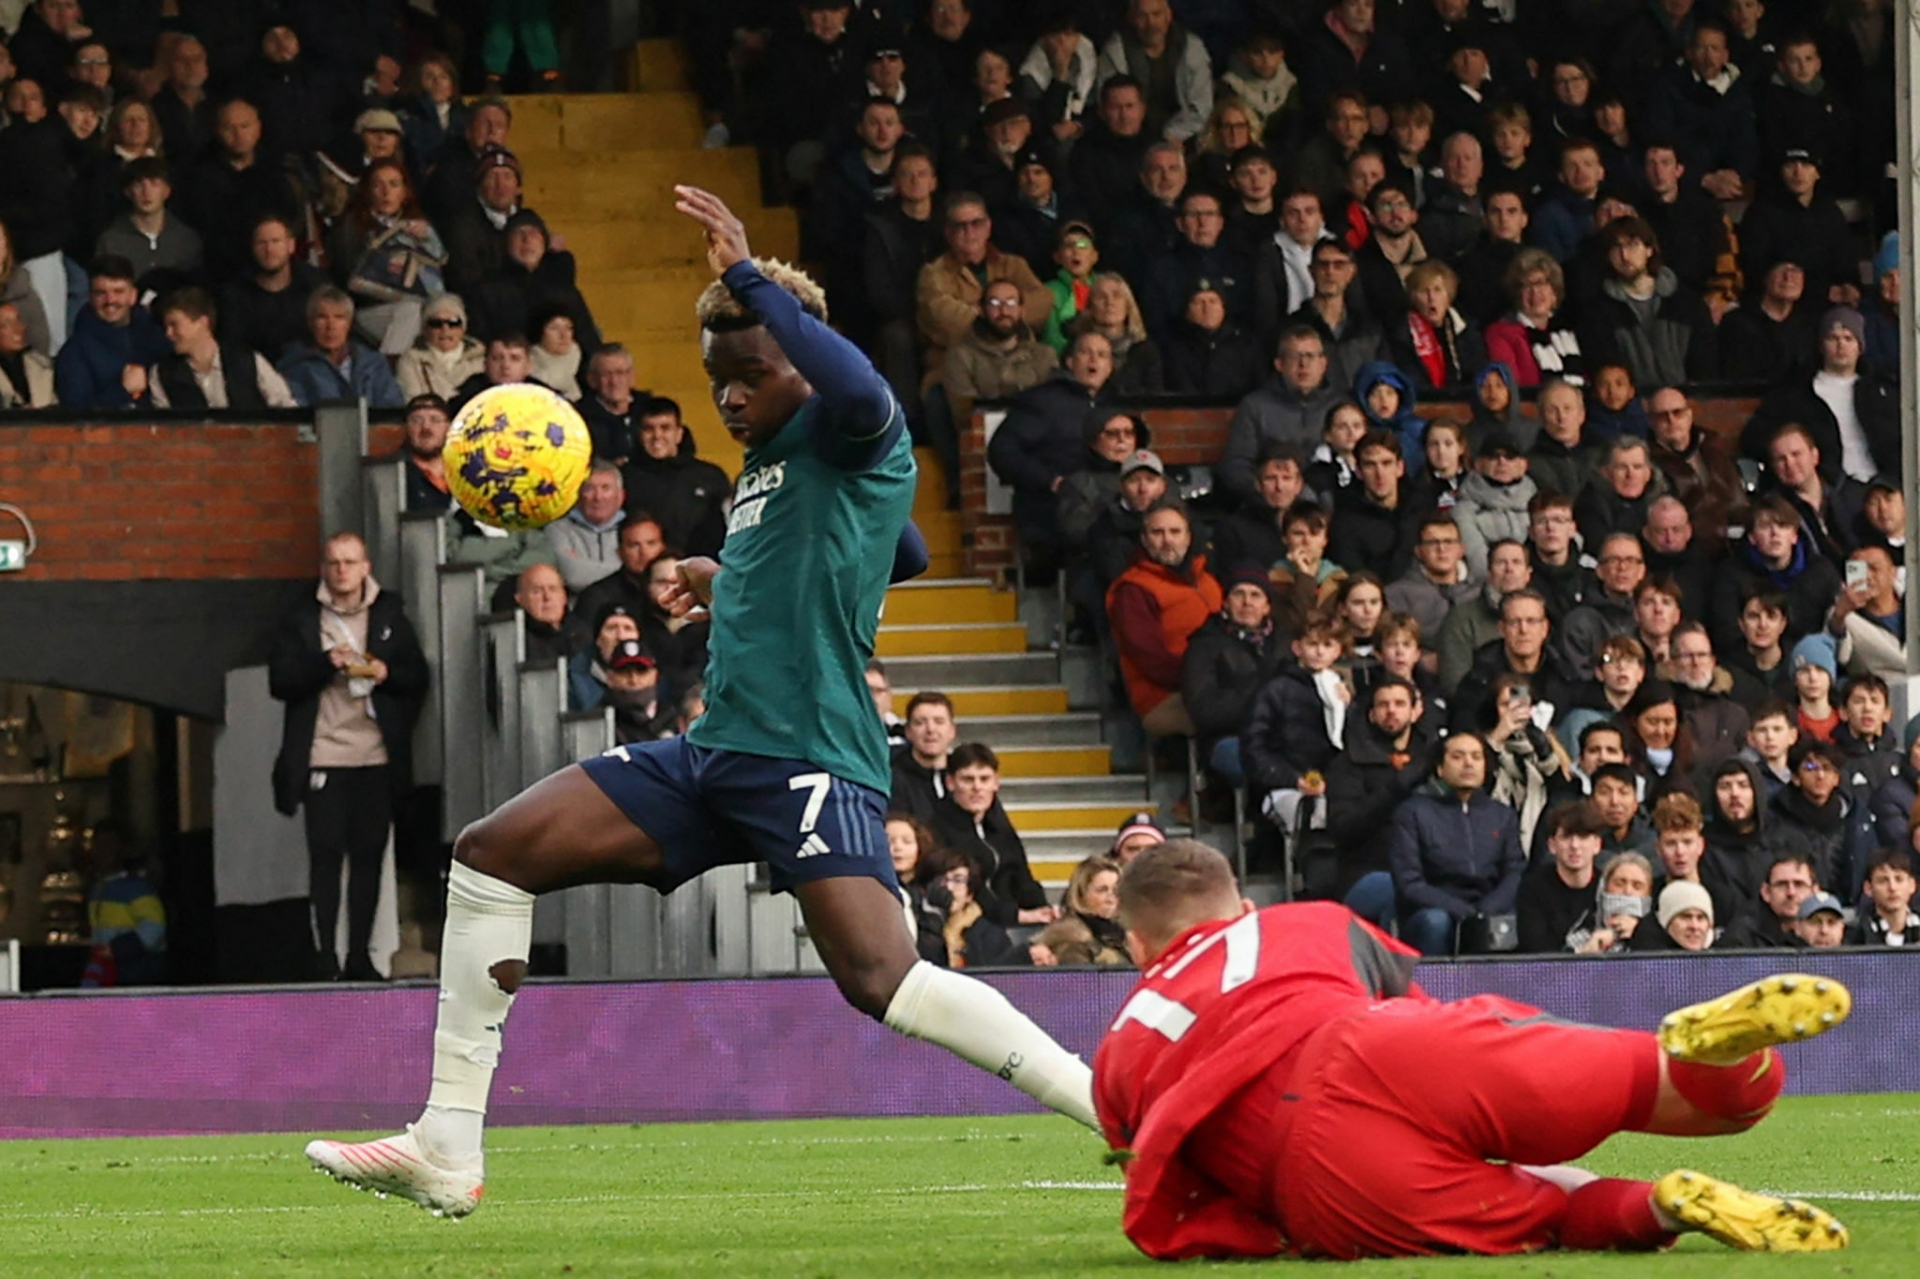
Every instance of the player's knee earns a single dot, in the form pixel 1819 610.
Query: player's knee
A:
pixel 477 847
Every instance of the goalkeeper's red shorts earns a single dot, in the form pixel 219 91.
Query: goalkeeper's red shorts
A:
pixel 1388 1121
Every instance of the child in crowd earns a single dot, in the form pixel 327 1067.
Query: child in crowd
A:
pixel 1890 921
pixel 1771 735
pixel 1384 393
pixel 1259 76
pixel 1411 165
pixel 1496 404
pixel 1510 167
pixel 1077 255
pixel 1614 406
pixel 1814 675
pixel 1445 448
pixel 1332 466
pixel 1873 754
pixel 1299 720
pixel 1306 580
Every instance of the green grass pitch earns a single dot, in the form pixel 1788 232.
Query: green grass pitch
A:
pixel 883 1198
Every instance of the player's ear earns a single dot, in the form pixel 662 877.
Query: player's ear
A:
pixel 1138 950
pixel 1247 906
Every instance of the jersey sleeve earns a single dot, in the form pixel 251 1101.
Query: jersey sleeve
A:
pixel 861 407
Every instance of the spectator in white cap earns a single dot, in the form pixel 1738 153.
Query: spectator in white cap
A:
pixel 1138 832
pixel 1685 912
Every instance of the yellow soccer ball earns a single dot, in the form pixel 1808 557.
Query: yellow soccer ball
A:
pixel 517 455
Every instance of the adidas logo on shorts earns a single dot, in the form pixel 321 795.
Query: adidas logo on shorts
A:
pixel 813 846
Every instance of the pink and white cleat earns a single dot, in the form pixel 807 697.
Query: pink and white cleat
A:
pixel 402 1165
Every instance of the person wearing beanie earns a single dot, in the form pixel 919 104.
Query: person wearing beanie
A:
pixel 475 230
pixel 1140 831
pixel 1685 912
pixel 1816 670
pixel 1852 413
pixel 1882 310
pixel 1228 661
pixel 532 281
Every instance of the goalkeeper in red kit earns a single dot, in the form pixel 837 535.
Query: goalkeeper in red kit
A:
pixel 1278 1084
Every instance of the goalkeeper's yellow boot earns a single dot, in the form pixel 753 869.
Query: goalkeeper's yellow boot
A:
pixel 1781 1009
pixel 1745 1220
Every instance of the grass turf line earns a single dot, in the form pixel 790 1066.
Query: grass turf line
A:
pixel 889 1198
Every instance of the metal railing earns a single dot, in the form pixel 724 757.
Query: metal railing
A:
pixel 496 723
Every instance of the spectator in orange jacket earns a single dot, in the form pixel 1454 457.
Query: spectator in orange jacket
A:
pixel 1156 606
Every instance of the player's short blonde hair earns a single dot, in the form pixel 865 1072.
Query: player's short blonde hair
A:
pixel 719 310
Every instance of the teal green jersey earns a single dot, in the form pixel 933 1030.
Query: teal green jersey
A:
pixel 810 546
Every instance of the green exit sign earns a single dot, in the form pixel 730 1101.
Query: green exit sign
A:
pixel 13 556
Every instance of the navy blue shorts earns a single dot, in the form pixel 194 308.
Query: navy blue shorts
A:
pixel 708 808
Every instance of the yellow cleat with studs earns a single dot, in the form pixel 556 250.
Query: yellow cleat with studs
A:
pixel 1781 1009
pixel 1745 1220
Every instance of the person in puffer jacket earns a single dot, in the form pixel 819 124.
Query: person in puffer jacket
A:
pixel 1492 505
pixel 1455 851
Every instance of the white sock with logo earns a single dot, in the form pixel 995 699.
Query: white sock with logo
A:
pixel 489 922
pixel 974 1021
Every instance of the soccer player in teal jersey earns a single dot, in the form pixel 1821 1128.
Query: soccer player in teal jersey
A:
pixel 788 766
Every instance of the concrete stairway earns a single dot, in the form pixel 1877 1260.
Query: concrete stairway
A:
pixel 960 636
pixel 600 168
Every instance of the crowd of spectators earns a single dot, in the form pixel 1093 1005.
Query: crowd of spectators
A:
pixel 1645 196
pixel 259 204
pixel 1544 671
pixel 1575 632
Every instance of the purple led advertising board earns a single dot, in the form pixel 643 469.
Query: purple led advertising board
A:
pixel 319 1059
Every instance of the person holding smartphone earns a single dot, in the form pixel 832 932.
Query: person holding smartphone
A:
pixel 1868 620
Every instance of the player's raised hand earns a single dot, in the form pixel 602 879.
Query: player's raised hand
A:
pixel 726 234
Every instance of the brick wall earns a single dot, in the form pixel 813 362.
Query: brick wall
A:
pixel 1189 435
pixel 192 501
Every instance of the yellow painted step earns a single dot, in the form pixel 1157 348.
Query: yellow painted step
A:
pixel 1053 872
pixel 653 65
pixel 1055 761
pixel 603 244
pixel 931 493
pixel 946 564
pixel 965 602
pixel 1000 701
pixel 544 122
pixel 635 192
pixel 926 640
pixel 1073 816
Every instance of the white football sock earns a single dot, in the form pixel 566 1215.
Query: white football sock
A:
pixel 974 1021
pixel 489 921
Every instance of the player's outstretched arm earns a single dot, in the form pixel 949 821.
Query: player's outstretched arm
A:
pixel 861 401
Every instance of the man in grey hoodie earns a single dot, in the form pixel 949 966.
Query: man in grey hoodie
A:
pixel 586 541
